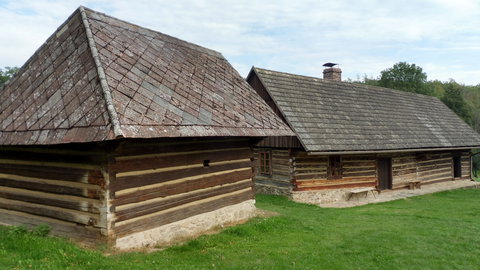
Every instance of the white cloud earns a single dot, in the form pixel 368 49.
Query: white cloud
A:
pixel 293 36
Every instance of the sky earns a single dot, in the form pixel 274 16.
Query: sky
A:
pixel 294 36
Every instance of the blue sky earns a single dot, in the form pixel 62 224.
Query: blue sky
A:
pixel 365 37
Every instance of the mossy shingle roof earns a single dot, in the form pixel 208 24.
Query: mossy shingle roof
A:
pixel 341 116
pixel 99 78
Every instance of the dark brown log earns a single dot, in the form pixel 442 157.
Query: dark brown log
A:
pixel 144 148
pixel 148 179
pixel 178 160
pixel 75 205
pixel 169 203
pixel 40 210
pixel 53 173
pixel 188 186
pixel 56 189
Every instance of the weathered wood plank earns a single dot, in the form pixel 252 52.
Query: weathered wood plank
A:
pixel 134 181
pixel 188 185
pixel 160 204
pixel 50 211
pixel 178 160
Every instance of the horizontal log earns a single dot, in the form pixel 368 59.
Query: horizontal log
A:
pixel 86 158
pixel 274 183
pixel 358 169
pixel 435 177
pixel 126 212
pixel 181 212
pixel 181 186
pixel 53 173
pixel 303 183
pixel 145 150
pixel 181 167
pixel 51 211
pixel 310 176
pixel 362 174
pixel 50 164
pixel 60 200
pixel 435 171
pixel 51 186
pixel 154 178
pixel 404 171
pixel 366 184
pixel 178 159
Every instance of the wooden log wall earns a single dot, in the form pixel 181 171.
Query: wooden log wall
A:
pixel 404 170
pixel 427 167
pixel 281 176
pixel 158 183
pixel 310 172
pixel 63 188
pixel 466 165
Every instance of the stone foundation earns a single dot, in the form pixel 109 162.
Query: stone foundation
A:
pixel 273 190
pixel 326 196
pixel 188 228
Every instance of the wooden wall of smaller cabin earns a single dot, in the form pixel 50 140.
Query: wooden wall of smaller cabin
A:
pixel 310 172
pixel 280 181
pixel 157 183
pixel 62 187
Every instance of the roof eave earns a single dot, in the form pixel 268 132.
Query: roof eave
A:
pixel 317 153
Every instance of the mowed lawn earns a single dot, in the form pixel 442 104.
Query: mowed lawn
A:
pixel 436 231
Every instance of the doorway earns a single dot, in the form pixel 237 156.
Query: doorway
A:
pixel 384 173
pixel 457 166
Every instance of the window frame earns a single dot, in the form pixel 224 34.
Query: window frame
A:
pixel 335 164
pixel 265 162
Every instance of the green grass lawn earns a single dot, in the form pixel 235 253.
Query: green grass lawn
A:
pixel 436 231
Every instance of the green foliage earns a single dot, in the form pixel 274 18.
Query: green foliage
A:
pixel 405 77
pixel 453 98
pixel 17 230
pixel 41 230
pixel 6 74
pixel 436 231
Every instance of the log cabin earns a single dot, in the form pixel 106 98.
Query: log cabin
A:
pixel 114 133
pixel 354 137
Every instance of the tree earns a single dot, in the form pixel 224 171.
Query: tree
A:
pixel 6 74
pixel 405 77
pixel 453 98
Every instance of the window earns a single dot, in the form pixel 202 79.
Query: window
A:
pixel 265 158
pixel 457 166
pixel 335 167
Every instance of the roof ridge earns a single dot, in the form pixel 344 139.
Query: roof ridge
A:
pixel 192 45
pixel 117 131
pixel 367 86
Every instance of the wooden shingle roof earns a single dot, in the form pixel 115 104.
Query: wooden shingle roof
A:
pixel 333 116
pixel 99 78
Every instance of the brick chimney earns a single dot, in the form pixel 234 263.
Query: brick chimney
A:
pixel 332 73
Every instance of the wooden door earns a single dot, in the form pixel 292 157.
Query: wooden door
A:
pixel 384 167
